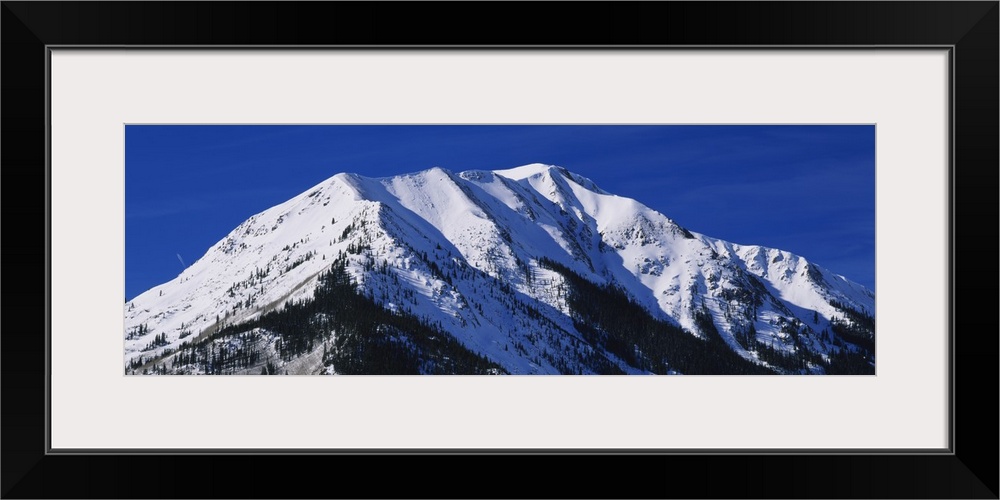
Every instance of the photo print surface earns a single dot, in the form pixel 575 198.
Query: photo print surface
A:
pixel 499 249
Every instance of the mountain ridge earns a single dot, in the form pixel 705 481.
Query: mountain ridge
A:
pixel 463 250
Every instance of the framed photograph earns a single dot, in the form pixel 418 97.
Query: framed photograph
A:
pixel 691 208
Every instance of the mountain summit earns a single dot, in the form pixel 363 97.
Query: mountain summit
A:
pixel 530 270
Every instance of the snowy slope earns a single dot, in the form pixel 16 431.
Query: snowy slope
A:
pixel 462 250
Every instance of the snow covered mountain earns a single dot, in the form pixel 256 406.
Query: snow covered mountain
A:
pixel 529 270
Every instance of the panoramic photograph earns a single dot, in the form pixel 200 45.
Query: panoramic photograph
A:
pixel 499 250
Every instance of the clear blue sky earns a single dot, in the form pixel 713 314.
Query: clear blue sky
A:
pixel 806 189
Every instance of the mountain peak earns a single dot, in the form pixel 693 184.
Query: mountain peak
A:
pixel 534 170
pixel 525 171
pixel 438 170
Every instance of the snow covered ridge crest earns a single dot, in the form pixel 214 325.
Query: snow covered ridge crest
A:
pixel 529 270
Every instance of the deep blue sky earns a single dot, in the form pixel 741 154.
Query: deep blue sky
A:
pixel 806 189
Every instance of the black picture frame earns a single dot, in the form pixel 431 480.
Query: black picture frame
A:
pixel 969 29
